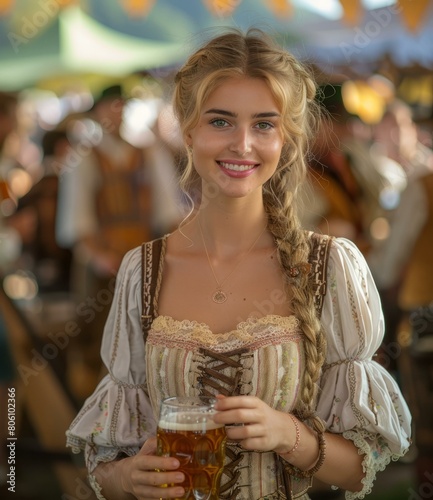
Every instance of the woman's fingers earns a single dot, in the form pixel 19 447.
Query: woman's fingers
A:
pixel 163 478
pixel 251 422
pixel 157 477
pixel 243 409
pixel 148 492
pixel 152 476
pixel 145 463
pixel 229 403
pixel 156 484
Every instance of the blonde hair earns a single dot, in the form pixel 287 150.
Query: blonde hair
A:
pixel 255 55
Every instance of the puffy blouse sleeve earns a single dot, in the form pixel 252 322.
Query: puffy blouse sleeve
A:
pixel 117 418
pixel 358 397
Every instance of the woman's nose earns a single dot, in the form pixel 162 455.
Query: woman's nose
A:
pixel 241 142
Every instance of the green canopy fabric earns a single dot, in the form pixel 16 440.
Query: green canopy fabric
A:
pixel 74 43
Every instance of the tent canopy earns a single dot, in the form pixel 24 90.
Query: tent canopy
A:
pixel 40 40
pixel 381 33
pixel 74 43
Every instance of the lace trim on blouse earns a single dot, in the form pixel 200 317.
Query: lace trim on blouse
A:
pixel 96 487
pixel 376 457
pixel 254 333
pixel 106 455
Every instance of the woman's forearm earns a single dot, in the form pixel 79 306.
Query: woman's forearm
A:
pixel 342 466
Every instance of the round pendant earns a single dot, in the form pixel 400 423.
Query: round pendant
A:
pixel 219 297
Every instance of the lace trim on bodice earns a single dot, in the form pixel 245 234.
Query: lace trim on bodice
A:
pixel 252 333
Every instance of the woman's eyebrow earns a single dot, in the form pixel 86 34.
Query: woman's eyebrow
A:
pixel 220 112
pixel 268 114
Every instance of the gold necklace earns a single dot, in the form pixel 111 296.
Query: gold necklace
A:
pixel 219 296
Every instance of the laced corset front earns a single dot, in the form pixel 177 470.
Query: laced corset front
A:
pixel 261 357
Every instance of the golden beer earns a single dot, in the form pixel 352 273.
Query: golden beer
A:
pixel 199 444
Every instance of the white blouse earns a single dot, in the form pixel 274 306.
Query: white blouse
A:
pixel 358 398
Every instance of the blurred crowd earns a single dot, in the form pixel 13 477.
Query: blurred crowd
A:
pixel 76 196
pixel 78 191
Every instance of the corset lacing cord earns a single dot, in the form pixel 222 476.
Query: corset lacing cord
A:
pixel 229 386
pixel 211 377
pixel 231 470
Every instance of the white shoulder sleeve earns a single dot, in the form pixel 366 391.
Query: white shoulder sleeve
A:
pixel 358 397
pixel 117 418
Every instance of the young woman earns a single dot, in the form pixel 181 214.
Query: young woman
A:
pixel 281 324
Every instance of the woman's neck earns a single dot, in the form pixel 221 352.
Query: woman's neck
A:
pixel 231 228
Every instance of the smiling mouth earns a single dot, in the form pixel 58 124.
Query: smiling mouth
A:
pixel 237 168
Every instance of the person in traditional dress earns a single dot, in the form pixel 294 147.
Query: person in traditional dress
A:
pixel 280 324
pixel 113 196
pixel 402 268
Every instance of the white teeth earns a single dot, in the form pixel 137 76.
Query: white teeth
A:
pixel 237 168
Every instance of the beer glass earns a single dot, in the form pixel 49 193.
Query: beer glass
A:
pixel 187 431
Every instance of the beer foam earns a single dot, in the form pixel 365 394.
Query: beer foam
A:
pixel 188 422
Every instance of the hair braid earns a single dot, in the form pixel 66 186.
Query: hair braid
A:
pixel 293 248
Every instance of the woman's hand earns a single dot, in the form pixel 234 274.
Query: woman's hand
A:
pixel 255 425
pixel 141 478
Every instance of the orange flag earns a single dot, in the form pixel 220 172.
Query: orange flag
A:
pixel 66 3
pixel 138 8
pixel 413 12
pixel 281 8
pixel 352 11
pixel 222 8
pixel 5 6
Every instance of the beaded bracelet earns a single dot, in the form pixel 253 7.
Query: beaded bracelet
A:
pixel 291 469
pixel 298 436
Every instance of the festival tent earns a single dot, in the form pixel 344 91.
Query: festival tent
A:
pixel 45 39
pixel 74 44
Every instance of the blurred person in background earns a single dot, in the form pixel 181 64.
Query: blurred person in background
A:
pixel 393 263
pixel 112 197
pixel 8 124
pixel 36 214
pixel 396 136
pixel 342 193
pixel 400 154
pixel 335 188
pixel 403 270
